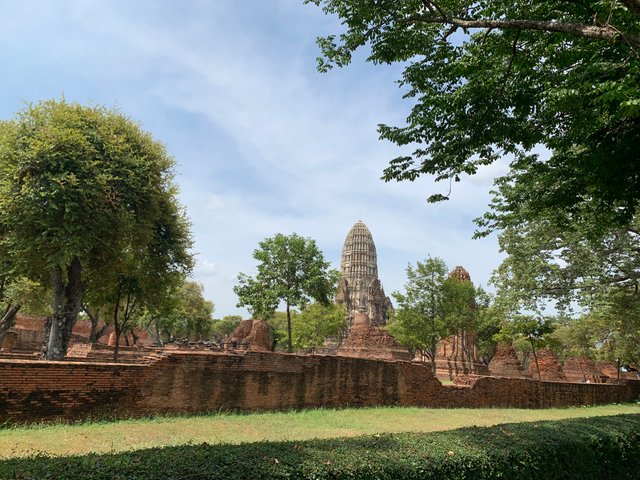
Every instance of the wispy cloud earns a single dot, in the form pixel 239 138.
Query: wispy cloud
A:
pixel 264 143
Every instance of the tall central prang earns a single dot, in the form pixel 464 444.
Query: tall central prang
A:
pixel 360 289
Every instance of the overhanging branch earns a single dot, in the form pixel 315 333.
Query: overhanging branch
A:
pixel 607 33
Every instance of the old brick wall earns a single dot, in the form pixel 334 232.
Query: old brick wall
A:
pixel 34 390
pixel 194 382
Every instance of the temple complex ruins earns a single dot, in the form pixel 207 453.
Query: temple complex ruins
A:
pixel 360 290
pixel 365 367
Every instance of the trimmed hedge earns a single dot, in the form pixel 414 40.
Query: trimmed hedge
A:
pixel 589 448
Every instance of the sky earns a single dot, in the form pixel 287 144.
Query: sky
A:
pixel 264 144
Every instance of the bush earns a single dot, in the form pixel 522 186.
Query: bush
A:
pixel 591 448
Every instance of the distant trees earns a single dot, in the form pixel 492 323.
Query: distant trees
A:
pixel 84 192
pixel 20 294
pixel 317 322
pixel 291 270
pixel 225 326
pixel 183 314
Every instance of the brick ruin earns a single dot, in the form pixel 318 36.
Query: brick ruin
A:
pixel 582 369
pixel 27 335
pixel 458 354
pixel 365 340
pixel 367 367
pixel 250 335
pixel 198 382
pixel 550 369
pixel 505 363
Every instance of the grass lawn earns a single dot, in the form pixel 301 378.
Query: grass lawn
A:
pixel 119 436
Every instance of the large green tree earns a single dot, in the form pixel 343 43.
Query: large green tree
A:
pixel 82 187
pixel 419 320
pixel 501 78
pixel 292 270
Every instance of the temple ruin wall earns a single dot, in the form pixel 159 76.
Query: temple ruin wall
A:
pixel 188 382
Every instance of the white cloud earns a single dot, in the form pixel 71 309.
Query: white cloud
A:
pixel 215 202
pixel 265 144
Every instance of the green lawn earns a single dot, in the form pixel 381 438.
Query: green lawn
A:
pixel 119 436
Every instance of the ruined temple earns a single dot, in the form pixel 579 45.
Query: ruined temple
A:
pixel 360 290
pixel 458 354
pixel 550 369
pixel 505 363
pixel 368 341
pixel 582 370
pixel 252 335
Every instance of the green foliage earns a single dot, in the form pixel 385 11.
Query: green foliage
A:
pixel 220 328
pixel 434 307
pixel 183 314
pixel 317 322
pixel 534 330
pixel 34 298
pixel 291 270
pixel 87 201
pixel 612 328
pixel 420 318
pixel 585 449
pixel 84 182
pixel 494 79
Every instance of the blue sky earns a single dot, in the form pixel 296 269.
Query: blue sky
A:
pixel 263 142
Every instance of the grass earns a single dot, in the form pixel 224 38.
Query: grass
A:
pixel 126 435
pixel 596 448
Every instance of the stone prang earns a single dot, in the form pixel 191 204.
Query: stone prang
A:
pixel 360 290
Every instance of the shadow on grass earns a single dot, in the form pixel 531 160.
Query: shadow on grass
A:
pixel 591 448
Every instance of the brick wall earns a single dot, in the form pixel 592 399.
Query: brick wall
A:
pixel 194 382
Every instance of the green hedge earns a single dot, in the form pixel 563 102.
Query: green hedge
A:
pixel 591 448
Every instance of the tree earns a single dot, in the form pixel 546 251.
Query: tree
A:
pixel 20 294
pixel 494 79
pixel 419 320
pixel 291 269
pixel 611 329
pixel 225 326
pixel 315 323
pixel 196 311
pixel 182 313
pixel 80 189
pixel 534 330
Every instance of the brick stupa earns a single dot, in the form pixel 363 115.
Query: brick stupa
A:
pixel 582 370
pixel 505 363
pixel 550 369
pixel 365 340
pixel 250 335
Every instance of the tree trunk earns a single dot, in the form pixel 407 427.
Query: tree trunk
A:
pixel 67 303
pixel 95 334
pixel 117 327
pixel 289 341
pixel 434 346
pixel 8 320
pixel 134 337
pixel 535 357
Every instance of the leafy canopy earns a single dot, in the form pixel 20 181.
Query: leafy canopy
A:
pixel 495 78
pixel 291 269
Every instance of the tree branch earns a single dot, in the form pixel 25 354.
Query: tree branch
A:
pixel 607 33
